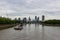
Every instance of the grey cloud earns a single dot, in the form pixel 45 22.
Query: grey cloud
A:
pixel 33 7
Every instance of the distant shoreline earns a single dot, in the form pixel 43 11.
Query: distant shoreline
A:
pixel 51 24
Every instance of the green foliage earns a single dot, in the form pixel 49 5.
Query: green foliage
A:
pixel 4 20
pixel 52 22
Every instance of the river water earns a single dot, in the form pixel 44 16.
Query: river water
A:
pixel 31 32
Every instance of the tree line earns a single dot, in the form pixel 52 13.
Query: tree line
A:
pixel 52 21
pixel 4 20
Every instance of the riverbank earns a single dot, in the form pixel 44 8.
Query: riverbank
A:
pixel 53 22
pixel 55 25
pixel 5 26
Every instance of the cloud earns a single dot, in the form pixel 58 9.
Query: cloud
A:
pixel 30 8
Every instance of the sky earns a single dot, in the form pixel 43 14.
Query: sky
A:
pixel 26 8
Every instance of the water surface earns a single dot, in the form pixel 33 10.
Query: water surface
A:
pixel 31 32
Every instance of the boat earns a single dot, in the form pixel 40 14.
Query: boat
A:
pixel 19 28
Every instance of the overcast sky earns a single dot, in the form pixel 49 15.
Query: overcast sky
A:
pixel 22 8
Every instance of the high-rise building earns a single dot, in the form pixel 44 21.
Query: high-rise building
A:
pixel 38 19
pixel 19 20
pixel 43 18
pixel 35 18
pixel 29 20
pixel 24 20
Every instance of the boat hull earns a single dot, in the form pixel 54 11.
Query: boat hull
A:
pixel 18 28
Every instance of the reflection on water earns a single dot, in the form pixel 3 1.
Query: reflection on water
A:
pixel 43 35
pixel 31 32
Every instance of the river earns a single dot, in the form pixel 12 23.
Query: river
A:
pixel 31 32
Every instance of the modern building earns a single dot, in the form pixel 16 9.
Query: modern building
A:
pixel 43 18
pixel 29 20
pixel 36 19
pixel 24 20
